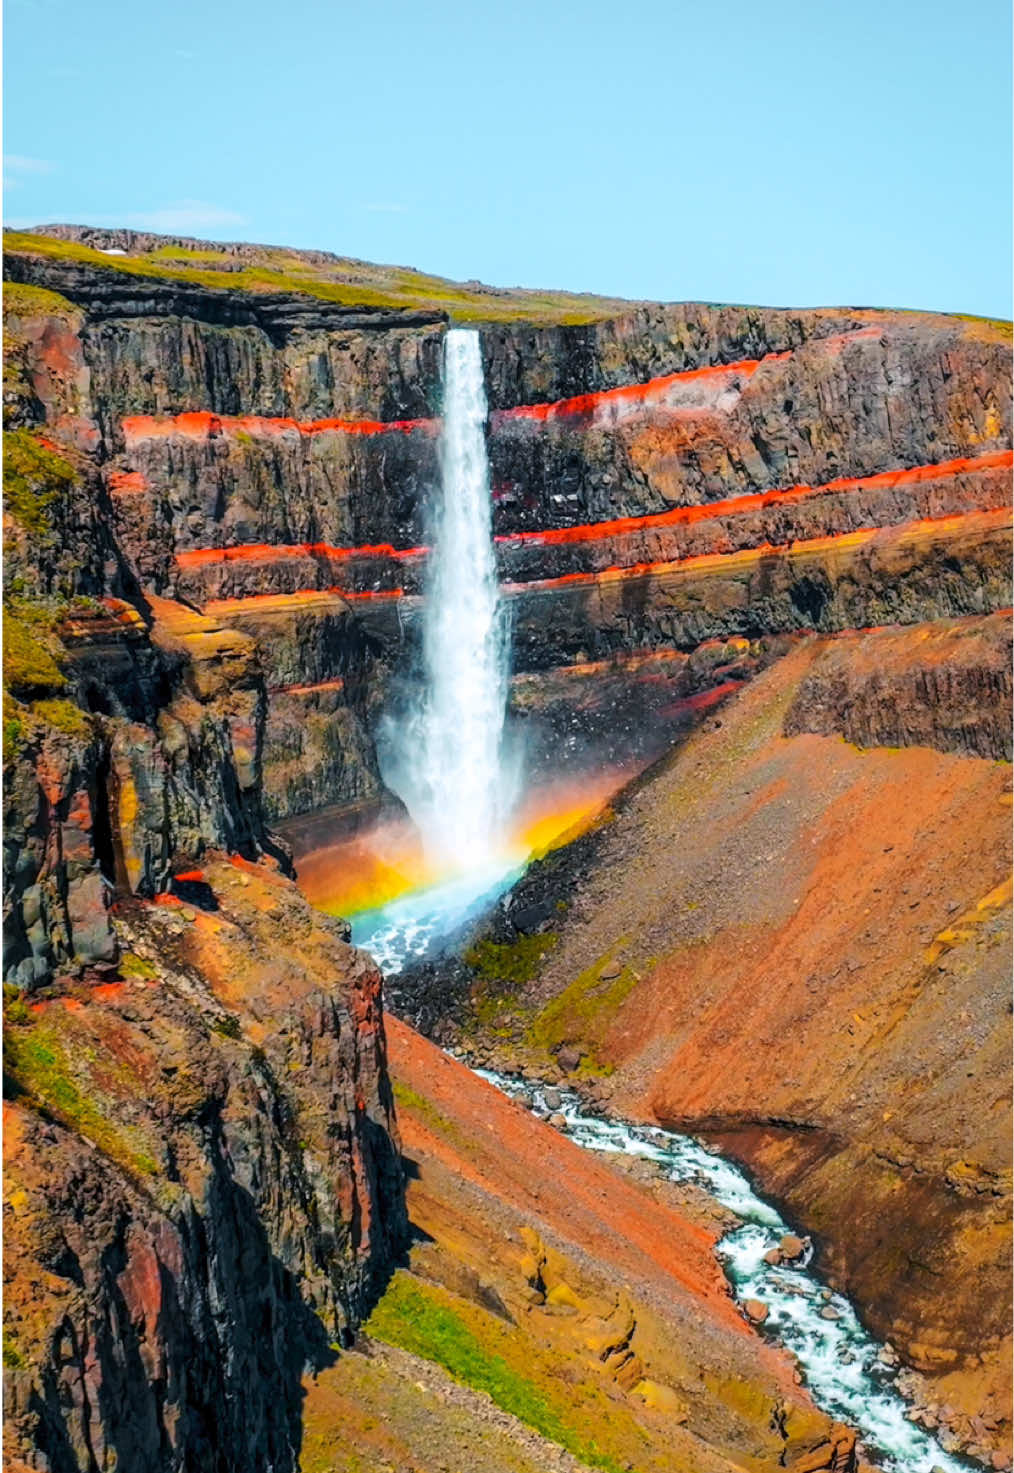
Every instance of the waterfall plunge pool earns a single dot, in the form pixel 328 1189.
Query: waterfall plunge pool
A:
pixel 844 1368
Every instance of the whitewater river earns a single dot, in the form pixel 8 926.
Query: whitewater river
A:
pixel 839 1360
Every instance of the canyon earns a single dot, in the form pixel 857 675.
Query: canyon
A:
pixel 757 569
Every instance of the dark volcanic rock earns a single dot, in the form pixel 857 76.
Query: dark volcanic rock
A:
pixel 951 690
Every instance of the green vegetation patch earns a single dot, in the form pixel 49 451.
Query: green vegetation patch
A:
pixel 583 1010
pixel 21 300
pixel 13 1359
pixel 386 287
pixel 34 478
pixel 37 1066
pixel 63 716
pixel 474 1349
pixel 227 1025
pixel 16 1012
pixel 413 1103
pixel 513 962
pixel 137 967
pixel 31 651
pixel 14 730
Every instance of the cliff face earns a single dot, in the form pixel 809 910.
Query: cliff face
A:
pixel 268 456
pixel 202 1184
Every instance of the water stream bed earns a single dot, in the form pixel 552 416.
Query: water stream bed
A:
pixel 846 1370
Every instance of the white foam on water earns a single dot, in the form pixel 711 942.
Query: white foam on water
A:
pixel 838 1358
pixel 421 925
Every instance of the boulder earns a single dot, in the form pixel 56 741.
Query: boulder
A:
pixel 756 1310
pixel 793 1247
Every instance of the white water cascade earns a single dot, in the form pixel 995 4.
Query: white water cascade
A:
pixel 448 764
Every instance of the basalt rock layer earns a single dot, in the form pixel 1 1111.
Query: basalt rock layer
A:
pixel 269 458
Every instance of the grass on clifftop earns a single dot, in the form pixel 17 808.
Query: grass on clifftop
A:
pixel 21 300
pixel 348 283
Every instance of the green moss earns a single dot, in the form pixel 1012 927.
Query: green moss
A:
pixel 34 478
pixel 413 1103
pixel 36 1065
pixel 134 966
pixel 13 1359
pixel 64 716
pixel 16 1012
pixel 34 301
pixel 228 1026
pixel 512 962
pixel 424 1320
pixel 14 730
pixel 582 1010
pixel 30 651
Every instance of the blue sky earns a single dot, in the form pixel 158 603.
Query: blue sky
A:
pixel 834 151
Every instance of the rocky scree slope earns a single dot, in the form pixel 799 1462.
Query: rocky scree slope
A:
pixel 793 935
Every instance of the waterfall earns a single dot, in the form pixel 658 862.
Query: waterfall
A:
pixel 447 756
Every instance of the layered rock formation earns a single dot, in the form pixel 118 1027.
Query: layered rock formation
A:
pixel 202 1184
pixel 268 458
pixel 215 535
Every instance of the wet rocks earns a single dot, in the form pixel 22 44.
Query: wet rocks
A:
pixel 791 1249
pixel 756 1310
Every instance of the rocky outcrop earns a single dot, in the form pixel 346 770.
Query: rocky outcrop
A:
pixel 271 460
pixel 950 689
pixel 202 1186
pixel 157 760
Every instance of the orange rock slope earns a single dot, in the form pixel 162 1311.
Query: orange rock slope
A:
pixel 802 946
